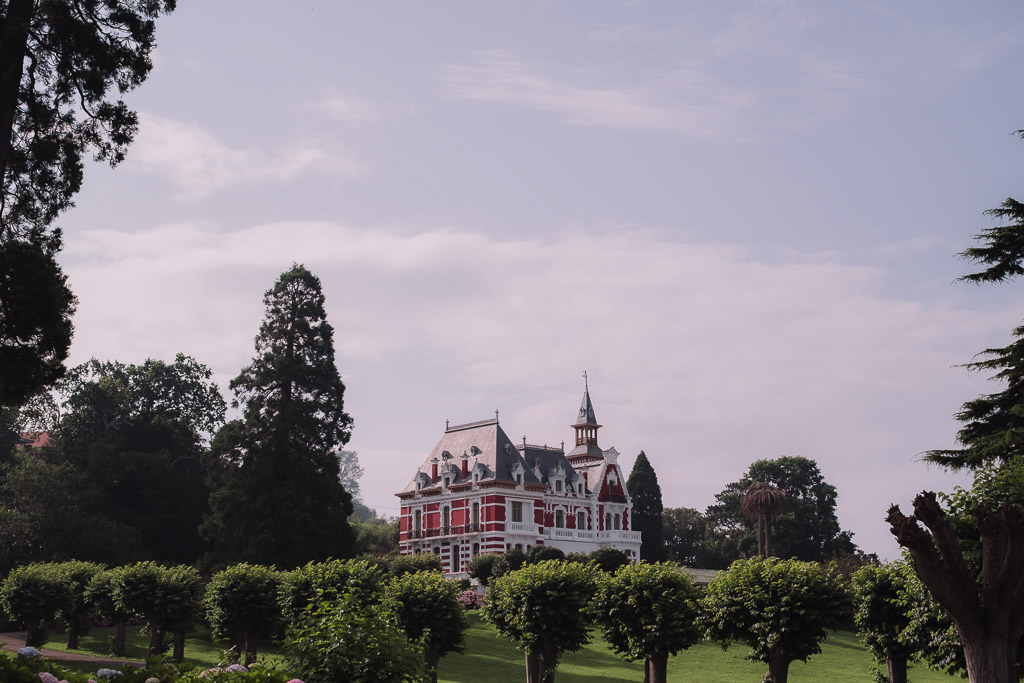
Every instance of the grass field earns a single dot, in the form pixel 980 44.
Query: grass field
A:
pixel 496 660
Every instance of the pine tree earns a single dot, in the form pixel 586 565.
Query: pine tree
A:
pixel 277 498
pixel 646 494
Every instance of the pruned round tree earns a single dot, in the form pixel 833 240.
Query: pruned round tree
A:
pixel 242 605
pixel 429 610
pixel 543 608
pixel 32 594
pixel 77 575
pixel 782 609
pixel 648 612
pixel 882 619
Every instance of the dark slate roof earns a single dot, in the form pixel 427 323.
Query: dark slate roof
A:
pixel 546 460
pixel 586 415
pixel 488 449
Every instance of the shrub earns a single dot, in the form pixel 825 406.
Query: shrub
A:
pixel 542 553
pixel 481 567
pixel 340 637
pixel 299 587
pixel 609 560
pixel 509 562
pixel 423 562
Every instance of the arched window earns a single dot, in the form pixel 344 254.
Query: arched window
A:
pixel 456 559
pixel 581 520
pixel 417 522
pixel 476 517
pixel 446 519
pixel 607 521
pixel 559 519
pixel 617 518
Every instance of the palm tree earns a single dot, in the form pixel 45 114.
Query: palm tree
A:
pixel 764 501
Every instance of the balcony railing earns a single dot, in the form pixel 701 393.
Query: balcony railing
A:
pixel 629 536
pixel 446 531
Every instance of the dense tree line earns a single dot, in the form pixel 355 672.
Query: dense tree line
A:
pixel 145 468
pixel 805 528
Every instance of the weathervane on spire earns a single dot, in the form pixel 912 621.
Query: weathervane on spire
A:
pixel 586 383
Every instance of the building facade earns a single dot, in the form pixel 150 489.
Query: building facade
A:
pixel 478 492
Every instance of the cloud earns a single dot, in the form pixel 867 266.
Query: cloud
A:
pixel 198 163
pixel 692 105
pixel 766 66
pixel 706 356
pixel 348 110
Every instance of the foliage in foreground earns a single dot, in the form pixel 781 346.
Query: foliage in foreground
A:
pixel 343 637
pixel 34 669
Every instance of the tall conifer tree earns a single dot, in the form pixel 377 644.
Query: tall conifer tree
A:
pixel 646 494
pixel 277 498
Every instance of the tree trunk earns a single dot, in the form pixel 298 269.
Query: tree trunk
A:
pixel 656 668
pixel 251 643
pixel 76 627
pixel 179 645
pixel 120 625
pixel 156 640
pixel 430 657
pixel 760 535
pixel 897 669
pixel 550 661
pixel 532 667
pixel 768 550
pixel 238 641
pixel 778 668
pixel 988 660
pixel 31 629
pixel 13 46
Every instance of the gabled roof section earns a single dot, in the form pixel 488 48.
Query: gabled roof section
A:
pixel 546 460
pixel 486 448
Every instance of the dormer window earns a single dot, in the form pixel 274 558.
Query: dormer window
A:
pixel 558 485
pixel 519 478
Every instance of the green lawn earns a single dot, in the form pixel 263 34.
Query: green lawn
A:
pixel 199 649
pixel 496 660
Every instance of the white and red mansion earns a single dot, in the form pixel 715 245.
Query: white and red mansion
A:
pixel 477 492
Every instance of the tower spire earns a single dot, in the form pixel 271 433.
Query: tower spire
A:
pixel 586 427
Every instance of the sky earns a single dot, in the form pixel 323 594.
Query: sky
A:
pixel 740 219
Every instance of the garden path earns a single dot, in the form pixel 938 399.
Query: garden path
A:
pixel 14 641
